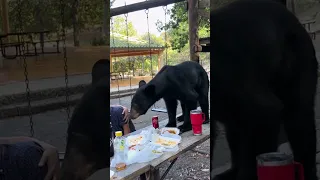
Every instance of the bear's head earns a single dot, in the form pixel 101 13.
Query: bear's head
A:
pixel 143 99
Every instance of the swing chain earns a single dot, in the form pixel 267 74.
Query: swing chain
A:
pixel 149 37
pixel 62 14
pixel 25 65
pixel 128 48
pixel 165 8
pixel 115 58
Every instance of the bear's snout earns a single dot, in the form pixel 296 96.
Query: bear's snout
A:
pixel 134 114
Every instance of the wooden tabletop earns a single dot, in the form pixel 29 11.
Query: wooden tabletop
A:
pixel 24 33
pixel 311 21
pixel 188 142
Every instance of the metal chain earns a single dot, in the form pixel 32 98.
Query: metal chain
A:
pixel 62 13
pixel 150 55
pixel 165 8
pixel 25 65
pixel 126 19
pixel 114 50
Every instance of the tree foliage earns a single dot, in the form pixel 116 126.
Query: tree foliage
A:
pixel 120 26
pixel 178 27
pixel 39 14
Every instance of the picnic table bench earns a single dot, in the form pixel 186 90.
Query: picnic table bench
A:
pixel 115 75
pixel 307 24
pixel 151 169
pixel 31 41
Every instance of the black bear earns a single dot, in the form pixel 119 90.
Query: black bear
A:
pixel 88 132
pixel 264 73
pixel 187 82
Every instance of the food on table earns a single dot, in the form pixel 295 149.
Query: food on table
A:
pixel 170 131
pixel 174 131
pixel 165 142
pixel 156 152
pixel 134 140
pixel 120 166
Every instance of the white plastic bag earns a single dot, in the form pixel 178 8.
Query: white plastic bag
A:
pixel 145 153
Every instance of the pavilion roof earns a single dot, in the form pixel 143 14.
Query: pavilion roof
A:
pixel 120 41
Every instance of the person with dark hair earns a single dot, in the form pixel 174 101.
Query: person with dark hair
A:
pixel 25 158
pixel 100 69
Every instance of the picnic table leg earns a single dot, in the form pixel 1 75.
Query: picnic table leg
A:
pixel 42 42
pixel 154 174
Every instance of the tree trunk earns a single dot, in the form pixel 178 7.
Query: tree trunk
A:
pixel 105 17
pixel 75 23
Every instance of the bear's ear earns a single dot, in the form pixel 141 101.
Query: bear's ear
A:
pixel 150 90
pixel 142 83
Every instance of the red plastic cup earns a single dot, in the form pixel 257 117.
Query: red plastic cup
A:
pixel 197 117
pixel 278 166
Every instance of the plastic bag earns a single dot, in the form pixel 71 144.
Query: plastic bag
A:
pixel 141 154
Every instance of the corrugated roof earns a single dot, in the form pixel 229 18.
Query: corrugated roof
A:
pixel 121 41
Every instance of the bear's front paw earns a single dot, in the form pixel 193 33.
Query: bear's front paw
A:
pixel 183 128
pixel 180 119
pixel 171 125
pixel 229 174
pixel 206 121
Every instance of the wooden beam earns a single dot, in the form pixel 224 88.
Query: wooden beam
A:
pixel 204 13
pixel 111 70
pixel 135 50
pixel 204 4
pixel 141 6
pixel 193 29
pixel 5 16
pixel 134 54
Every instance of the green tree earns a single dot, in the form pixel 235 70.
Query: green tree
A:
pixel 40 15
pixel 178 28
pixel 119 26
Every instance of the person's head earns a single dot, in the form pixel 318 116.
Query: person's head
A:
pixel 143 99
pixel 88 134
pixel 101 69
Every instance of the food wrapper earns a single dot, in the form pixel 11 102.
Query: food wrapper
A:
pixel 136 140
pixel 171 133
pixel 166 142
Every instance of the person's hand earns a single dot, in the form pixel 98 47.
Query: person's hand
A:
pixel 51 158
pixel 126 115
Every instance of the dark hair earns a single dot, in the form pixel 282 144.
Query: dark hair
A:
pixel 142 83
pixel 100 69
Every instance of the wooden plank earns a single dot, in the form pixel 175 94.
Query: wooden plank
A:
pixel 131 172
pixel 188 142
pixel 204 13
pixel 204 4
pixel 193 29
pixel 101 174
pixel 141 6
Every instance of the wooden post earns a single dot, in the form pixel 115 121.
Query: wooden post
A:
pixel 111 70
pixel 193 29
pixel 160 61
pixel 5 16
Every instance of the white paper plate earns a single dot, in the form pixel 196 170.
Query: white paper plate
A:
pixel 111 173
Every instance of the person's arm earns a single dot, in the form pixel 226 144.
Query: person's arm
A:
pixel 126 128
pixel 116 106
pixel 17 139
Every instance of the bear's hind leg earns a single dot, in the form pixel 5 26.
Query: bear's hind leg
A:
pixel 233 138
pixel 299 121
pixel 301 133
pixel 186 126
pixel 204 104
pixel 171 105
pixel 257 138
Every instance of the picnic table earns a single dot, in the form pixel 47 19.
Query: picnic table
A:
pixel 115 75
pixel 151 169
pixel 308 23
pixel 31 41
